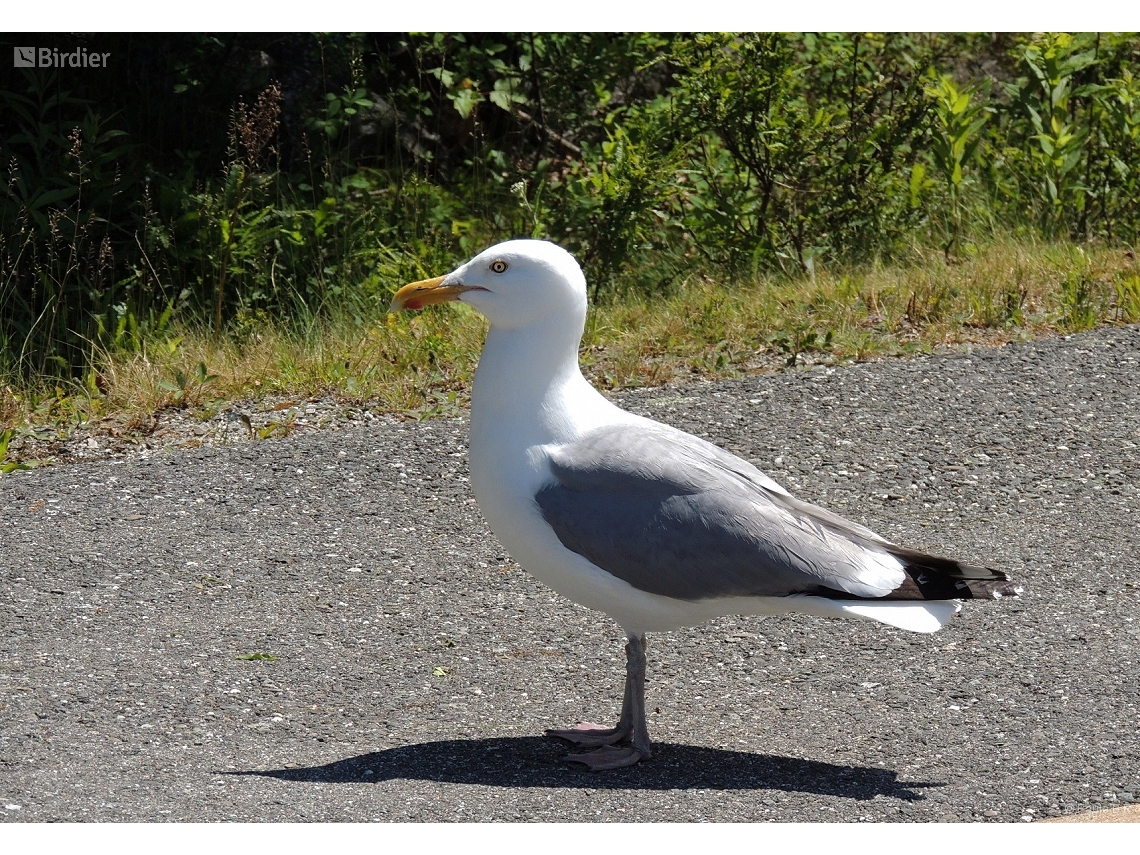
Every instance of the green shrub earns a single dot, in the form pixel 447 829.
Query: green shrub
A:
pixel 221 179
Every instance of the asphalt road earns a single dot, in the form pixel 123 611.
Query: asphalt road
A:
pixel 321 627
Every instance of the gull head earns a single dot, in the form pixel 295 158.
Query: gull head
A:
pixel 513 284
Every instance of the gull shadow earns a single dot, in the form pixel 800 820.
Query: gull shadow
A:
pixel 536 762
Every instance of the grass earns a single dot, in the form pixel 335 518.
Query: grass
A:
pixel 423 363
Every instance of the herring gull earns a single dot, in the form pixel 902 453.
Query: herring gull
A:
pixel 655 527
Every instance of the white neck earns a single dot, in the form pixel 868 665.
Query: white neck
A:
pixel 528 394
pixel 526 375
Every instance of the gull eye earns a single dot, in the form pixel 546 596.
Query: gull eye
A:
pixel 498 266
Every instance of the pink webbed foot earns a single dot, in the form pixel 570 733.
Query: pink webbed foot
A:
pixel 607 757
pixel 589 735
pixel 626 744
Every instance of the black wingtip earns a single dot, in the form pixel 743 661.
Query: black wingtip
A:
pixel 932 577
pixel 987 589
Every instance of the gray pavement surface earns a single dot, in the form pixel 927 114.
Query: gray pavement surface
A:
pixel 321 627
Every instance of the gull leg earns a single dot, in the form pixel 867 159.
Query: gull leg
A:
pixel 635 692
pixel 626 744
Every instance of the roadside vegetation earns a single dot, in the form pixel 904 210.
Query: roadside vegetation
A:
pixel 227 217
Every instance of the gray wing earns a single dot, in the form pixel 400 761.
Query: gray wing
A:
pixel 674 515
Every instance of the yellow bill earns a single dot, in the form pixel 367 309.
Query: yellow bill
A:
pixel 428 292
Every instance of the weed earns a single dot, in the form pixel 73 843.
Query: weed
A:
pixel 1077 309
pixel 181 387
pixel 1128 298
pixel 7 465
pixel 858 345
pixel 439 405
pixel 997 304
pixel 799 340
pixel 272 428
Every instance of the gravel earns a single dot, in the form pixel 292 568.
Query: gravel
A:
pixel 320 627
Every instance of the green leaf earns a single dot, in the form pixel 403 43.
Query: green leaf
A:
pixel 1071 161
pixel 505 93
pixel 52 196
pixel 443 76
pixel 465 100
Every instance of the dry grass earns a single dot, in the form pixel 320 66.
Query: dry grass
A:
pixel 1008 290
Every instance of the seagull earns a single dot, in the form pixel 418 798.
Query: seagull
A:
pixel 654 527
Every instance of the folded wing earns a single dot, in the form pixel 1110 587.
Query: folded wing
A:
pixel 676 516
